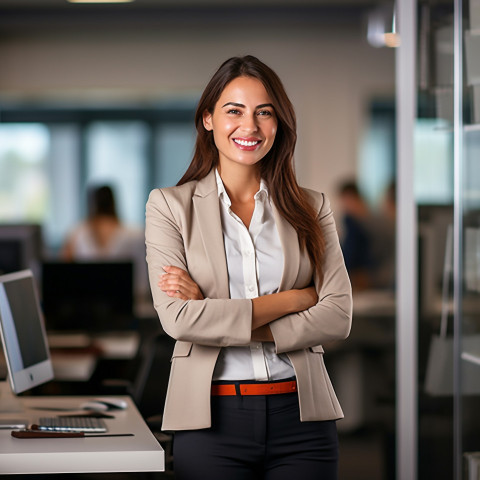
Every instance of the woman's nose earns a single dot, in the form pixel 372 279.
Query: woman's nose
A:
pixel 249 123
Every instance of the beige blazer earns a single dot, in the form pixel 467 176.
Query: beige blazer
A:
pixel 183 228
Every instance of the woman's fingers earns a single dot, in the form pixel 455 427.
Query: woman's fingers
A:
pixel 177 294
pixel 177 283
pixel 174 270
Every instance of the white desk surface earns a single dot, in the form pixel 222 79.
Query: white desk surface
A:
pixel 140 453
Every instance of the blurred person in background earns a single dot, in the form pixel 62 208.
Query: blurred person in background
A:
pixel 356 236
pixel 383 241
pixel 102 236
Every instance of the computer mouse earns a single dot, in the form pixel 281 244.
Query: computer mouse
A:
pixel 103 404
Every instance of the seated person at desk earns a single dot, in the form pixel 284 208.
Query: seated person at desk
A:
pixel 102 236
pixel 355 238
pixel 368 240
pixel 383 241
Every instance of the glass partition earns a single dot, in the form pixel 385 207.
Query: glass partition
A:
pixel 468 351
pixel 434 188
pixel 447 194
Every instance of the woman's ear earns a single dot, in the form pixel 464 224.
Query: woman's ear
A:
pixel 207 120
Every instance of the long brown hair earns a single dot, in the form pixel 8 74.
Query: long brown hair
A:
pixel 276 168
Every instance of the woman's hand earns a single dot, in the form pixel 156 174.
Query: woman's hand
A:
pixel 177 283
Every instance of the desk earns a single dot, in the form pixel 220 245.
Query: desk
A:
pixel 115 345
pixel 75 356
pixel 141 453
pixel 362 367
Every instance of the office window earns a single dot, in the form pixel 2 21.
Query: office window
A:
pixel 174 145
pixel 24 151
pixel 433 162
pixel 39 176
pixel 49 156
pixel 471 194
pixel 63 172
pixel 433 153
pixel 377 154
pixel 117 155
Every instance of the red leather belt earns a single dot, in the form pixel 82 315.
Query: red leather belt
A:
pixel 255 388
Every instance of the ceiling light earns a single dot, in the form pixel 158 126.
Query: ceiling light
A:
pixel 100 1
pixel 382 28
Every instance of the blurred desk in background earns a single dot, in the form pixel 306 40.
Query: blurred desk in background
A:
pixel 362 367
pixel 75 355
pixel 115 345
pixel 376 303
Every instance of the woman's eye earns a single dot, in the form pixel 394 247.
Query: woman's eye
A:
pixel 234 111
pixel 264 113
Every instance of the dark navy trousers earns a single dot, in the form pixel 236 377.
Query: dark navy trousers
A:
pixel 257 438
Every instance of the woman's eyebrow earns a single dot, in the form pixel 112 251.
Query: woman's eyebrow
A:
pixel 263 105
pixel 234 104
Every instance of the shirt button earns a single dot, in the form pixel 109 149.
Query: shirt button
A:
pixel 251 288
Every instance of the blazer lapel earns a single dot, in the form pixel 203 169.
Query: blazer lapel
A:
pixel 291 250
pixel 207 212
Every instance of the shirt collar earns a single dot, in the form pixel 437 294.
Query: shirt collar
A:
pixel 223 195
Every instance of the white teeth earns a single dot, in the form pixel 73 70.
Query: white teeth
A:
pixel 244 143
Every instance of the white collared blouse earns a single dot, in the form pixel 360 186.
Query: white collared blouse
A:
pixel 255 265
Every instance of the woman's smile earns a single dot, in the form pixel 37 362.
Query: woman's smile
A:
pixel 248 144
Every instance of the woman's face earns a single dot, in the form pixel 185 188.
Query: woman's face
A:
pixel 243 122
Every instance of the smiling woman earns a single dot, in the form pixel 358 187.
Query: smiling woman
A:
pixel 247 274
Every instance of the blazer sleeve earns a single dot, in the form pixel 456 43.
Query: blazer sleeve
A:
pixel 330 318
pixel 212 321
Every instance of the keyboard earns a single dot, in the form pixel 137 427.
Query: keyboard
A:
pixel 72 424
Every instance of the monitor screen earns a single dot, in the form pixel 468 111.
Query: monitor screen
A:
pixel 23 333
pixel 88 296
pixel 10 255
pixel 21 247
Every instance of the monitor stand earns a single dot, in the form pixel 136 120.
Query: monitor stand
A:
pixel 9 403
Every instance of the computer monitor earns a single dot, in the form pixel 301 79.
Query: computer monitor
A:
pixel 21 247
pixel 88 296
pixel 23 333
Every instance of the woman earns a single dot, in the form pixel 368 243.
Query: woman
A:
pixel 247 275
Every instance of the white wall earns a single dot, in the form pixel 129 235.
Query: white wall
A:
pixel 330 73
